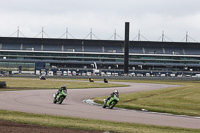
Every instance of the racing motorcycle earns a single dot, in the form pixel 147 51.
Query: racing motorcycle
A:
pixel 60 97
pixel 111 102
pixel 91 80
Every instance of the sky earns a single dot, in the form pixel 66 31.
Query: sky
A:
pixel 105 19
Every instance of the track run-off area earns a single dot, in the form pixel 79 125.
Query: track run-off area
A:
pixel 41 102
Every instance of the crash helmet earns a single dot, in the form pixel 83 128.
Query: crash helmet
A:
pixel 64 87
pixel 116 92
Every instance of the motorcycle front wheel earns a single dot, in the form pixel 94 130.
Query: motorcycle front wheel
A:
pixel 54 100
pixel 104 105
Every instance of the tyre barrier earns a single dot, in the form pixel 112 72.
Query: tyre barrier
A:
pixel 3 84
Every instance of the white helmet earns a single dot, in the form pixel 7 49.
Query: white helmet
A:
pixel 116 91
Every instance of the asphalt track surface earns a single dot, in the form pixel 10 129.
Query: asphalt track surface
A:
pixel 41 102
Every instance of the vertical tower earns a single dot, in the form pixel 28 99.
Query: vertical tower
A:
pixel 126 48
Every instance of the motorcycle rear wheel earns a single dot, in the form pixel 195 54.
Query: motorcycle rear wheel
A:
pixel 112 104
pixel 61 100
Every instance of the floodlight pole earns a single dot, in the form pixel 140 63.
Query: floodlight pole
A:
pixel 18 32
pixel 139 35
pixel 115 35
pixel 42 32
pixel 163 36
pixel 91 34
pixel 186 36
pixel 66 33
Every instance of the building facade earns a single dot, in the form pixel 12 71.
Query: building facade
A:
pixel 82 55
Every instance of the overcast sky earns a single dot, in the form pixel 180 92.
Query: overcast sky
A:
pixel 150 17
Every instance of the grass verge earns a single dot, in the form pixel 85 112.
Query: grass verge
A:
pixel 183 100
pixel 86 124
pixel 34 83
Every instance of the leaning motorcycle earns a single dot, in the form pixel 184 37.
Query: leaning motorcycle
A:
pixel 111 102
pixel 60 97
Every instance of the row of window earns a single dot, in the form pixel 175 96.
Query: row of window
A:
pixel 16 64
pixel 103 60
pixel 89 55
pixel 60 54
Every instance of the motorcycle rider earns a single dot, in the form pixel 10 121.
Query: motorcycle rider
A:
pixel 116 92
pixel 60 90
pixel 105 80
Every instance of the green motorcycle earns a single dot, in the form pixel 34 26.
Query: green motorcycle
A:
pixel 110 103
pixel 60 97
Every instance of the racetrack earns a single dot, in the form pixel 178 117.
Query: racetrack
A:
pixel 40 101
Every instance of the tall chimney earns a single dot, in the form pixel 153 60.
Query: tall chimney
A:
pixel 126 48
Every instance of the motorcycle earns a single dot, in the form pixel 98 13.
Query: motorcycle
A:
pixel 105 80
pixel 91 80
pixel 42 78
pixel 60 97
pixel 111 102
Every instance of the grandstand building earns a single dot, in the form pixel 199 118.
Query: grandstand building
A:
pixel 81 55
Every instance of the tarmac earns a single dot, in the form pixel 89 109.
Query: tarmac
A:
pixel 41 102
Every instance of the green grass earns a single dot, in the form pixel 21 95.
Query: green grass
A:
pixel 179 100
pixel 87 124
pixel 36 83
pixel 183 100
